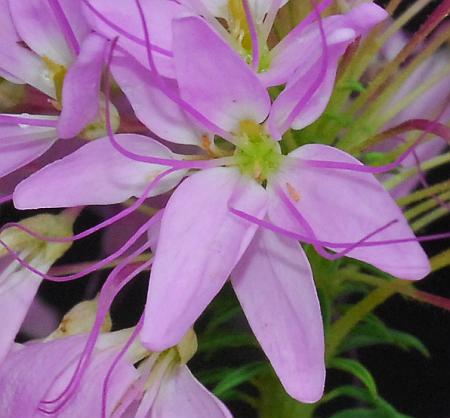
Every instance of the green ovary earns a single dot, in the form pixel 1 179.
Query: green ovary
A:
pixel 257 154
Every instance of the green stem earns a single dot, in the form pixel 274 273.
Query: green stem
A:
pixel 429 218
pixel 424 193
pixel 425 206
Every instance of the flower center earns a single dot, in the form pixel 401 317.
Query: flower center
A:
pixel 257 154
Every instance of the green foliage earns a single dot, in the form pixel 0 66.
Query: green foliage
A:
pixel 374 331
pixel 358 370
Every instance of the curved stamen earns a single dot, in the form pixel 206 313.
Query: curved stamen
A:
pixel 253 35
pixel 309 240
pixel 113 285
pixel 428 126
pixel 115 362
pixel 315 85
pixel 90 269
pixel 169 92
pixel 123 32
pixel 113 219
pixel 65 26
pixel 310 232
pixel 26 120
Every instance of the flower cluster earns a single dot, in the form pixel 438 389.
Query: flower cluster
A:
pixel 190 104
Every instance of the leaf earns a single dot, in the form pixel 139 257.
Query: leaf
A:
pixel 355 392
pixel 358 370
pixel 236 377
pixel 358 413
pixel 218 341
pixel 374 331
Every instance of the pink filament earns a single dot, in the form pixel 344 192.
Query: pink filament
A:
pixel 169 92
pixel 318 247
pixel 426 125
pixel 117 217
pixel 65 26
pixel 315 85
pixel 7 198
pixel 310 240
pixel 114 364
pixel 123 32
pixel 113 285
pixel 27 121
pixel 256 56
pixel 93 267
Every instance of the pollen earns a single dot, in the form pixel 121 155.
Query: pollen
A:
pixel 293 193
pixel 206 145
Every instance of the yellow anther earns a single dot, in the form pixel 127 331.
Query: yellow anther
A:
pixel 58 74
pixel 239 23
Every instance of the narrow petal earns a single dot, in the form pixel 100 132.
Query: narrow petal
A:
pixel 345 206
pixel 80 94
pixel 298 90
pixel 285 59
pixel 20 145
pixel 18 287
pixel 26 66
pixel 274 284
pixel 181 391
pixel 96 174
pixel 37 26
pixel 213 78
pixel 199 244
pixel 152 107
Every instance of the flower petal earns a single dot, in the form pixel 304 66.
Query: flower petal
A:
pixel 345 206
pixel 274 284
pixel 285 59
pixel 38 27
pixel 20 145
pixel 80 94
pixel 26 66
pixel 152 107
pixel 18 287
pixel 181 391
pixel 96 174
pixel 199 244
pixel 213 78
pixel 124 16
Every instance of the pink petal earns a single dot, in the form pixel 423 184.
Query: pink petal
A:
pixel 285 57
pixel 213 78
pixel 19 145
pixel 29 372
pixel 152 107
pixel 345 206
pixel 82 87
pixel 37 26
pixel 183 395
pixel 199 244
pixel 26 66
pixel 17 290
pixel 96 174
pixel 274 284
pixel 125 16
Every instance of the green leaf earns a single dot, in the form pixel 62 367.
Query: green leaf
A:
pixel 358 413
pixel 358 370
pixel 236 377
pixel 219 341
pixel 374 331
pixel 355 392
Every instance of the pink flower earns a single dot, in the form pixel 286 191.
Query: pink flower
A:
pixel 63 60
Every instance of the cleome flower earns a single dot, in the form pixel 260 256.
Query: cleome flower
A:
pixel 217 223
